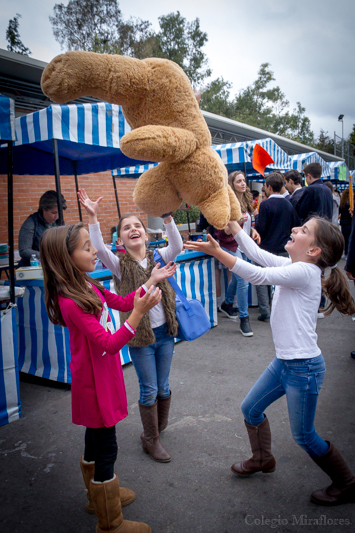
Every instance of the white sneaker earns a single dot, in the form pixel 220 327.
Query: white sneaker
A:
pixel 320 315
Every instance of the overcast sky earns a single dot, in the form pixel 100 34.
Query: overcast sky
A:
pixel 309 43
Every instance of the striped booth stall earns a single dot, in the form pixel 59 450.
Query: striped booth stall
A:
pixel 10 404
pixel 301 160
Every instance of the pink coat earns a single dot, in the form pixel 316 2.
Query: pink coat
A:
pixel 97 390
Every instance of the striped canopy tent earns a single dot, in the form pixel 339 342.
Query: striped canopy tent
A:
pixel 70 140
pixel 339 171
pixel 301 160
pixel 10 404
pixel 235 156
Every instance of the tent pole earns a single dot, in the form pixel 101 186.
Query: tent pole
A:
pixel 77 189
pixel 117 203
pixel 57 181
pixel 10 217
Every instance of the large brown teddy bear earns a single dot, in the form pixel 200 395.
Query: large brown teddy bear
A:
pixel 159 104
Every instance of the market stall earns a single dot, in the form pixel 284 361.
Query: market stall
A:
pixel 301 160
pixel 10 404
pixel 44 349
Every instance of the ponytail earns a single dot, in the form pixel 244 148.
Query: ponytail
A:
pixel 331 242
pixel 336 289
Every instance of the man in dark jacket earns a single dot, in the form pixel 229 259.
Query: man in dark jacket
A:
pixel 293 183
pixel 316 198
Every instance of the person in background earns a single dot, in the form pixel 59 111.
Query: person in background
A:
pixel 36 224
pixel 316 200
pixel 237 286
pixel 284 190
pixel 336 202
pixel 274 223
pixel 293 183
pixel 345 219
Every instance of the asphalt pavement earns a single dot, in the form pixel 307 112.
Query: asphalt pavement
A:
pixel 42 491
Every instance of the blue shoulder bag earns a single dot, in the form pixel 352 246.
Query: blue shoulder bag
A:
pixel 191 315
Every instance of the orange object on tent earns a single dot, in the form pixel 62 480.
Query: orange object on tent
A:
pixel 261 159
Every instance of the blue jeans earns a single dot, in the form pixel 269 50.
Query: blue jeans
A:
pixel 152 364
pixel 301 381
pixel 239 286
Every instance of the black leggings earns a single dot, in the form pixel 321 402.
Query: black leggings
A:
pixel 101 447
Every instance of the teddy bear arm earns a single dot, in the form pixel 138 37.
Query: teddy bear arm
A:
pixel 158 143
pixel 236 212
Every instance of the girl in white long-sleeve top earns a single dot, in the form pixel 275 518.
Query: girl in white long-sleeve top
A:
pixel 152 348
pixel 298 370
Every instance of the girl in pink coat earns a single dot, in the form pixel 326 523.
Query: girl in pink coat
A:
pixel 75 300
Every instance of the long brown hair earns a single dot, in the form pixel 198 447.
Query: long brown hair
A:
pixel 345 198
pixel 62 277
pixel 331 242
pixel 245 199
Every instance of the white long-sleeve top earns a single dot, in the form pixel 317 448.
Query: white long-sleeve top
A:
pixel 296 298
pixel 112 261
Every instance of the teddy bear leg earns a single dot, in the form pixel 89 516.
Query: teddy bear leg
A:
pixel 155 194
pixel 236 212
pixel 216 208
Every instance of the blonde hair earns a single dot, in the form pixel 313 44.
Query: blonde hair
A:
pixel 62 277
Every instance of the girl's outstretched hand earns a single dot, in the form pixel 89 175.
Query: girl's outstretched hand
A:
pixel 90 206
pixel 146 302
pixel 210 247
pixel 158 274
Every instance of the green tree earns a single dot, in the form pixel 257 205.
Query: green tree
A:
pixel 96 26
pixel 182 41
pixel 215 98
pixel 351 138
pixel 13 37
pixel 324 142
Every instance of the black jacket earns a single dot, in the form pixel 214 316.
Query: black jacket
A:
pixel 317 199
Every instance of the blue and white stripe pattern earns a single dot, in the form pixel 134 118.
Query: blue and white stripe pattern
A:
pixel 100 124
pixel 10 405
pixel 235 155
pixel 133 172
pixel 301 160
pixel 7 119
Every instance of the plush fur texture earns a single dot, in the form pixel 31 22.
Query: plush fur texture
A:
pixel 168 127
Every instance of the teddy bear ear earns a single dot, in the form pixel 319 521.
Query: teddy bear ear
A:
pixel 198 94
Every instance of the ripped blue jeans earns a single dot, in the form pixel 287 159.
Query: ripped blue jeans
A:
pixel 152 364
pixel 301 381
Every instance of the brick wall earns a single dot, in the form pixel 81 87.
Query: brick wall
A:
pixel 28 189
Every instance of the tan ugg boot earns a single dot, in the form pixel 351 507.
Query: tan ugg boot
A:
pixel 150 437
pixel 342 490
pixel 127 496
pixel 163 412
pixel 108 509
pixel 262 459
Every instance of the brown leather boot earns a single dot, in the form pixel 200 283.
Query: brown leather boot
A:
pixel 163 412
pixel 108 509
pixel 127 496
pixel 342 490
pixel 150 437
pixel 262 458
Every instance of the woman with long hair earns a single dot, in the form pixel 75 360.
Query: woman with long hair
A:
pixel 237 285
